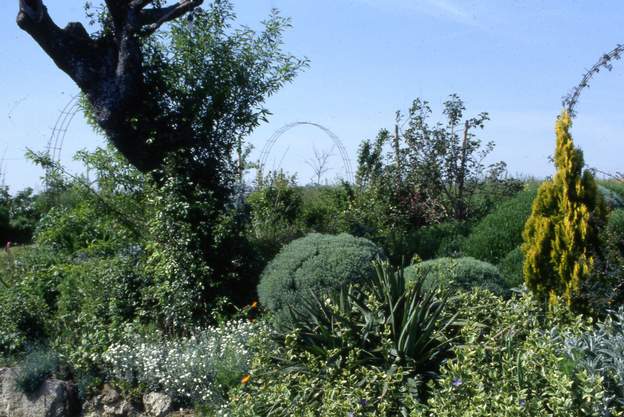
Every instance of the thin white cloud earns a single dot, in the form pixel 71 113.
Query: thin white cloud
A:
pixel 442 9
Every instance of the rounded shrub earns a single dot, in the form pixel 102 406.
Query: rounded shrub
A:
pixel 457 273
pixel 315 264
pixel 500 231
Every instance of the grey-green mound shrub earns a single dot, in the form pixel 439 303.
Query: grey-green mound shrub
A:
pixel 315 263
pixel 510 268
pixel 36 367
pixel 612 199
pixel 457 273
pixel 500 231
pixel 615 186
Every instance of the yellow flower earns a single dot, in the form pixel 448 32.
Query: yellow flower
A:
pixel 254 304
pixel 246 379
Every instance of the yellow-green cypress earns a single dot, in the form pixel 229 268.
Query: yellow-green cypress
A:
pixel 561 237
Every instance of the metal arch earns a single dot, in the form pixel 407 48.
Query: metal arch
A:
pixel 61 126
pixel 268 146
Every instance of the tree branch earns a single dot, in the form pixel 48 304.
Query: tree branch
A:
pixel 71 49
pixel 154 18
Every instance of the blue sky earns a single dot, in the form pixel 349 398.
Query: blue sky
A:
pixel 369 58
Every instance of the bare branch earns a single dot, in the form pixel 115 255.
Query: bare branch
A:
pixel 34 9
pixel 71 49
pixel 156 17
pixel 605 62
pixel 139 4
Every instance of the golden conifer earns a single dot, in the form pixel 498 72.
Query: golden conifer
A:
pixel 561 235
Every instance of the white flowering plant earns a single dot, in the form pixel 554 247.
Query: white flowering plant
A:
pixel 197 369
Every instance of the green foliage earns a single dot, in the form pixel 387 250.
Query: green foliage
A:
pixel 511 363
pixel 314 264
pixel 406 315
pixel 19 215
pixel 612 199
pixel 365 350
pixel 501 231
pixel 275 211
pixel 96 299
pixel 434 171
pixel 313 389
pixel 562 235
pixel 616 186
pixel 615 231
pixel 599 353
pixel 510 268
pixel 36 367
pixel 23 318
pixel 457 273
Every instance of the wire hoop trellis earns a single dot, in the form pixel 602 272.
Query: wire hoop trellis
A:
pixel 346 161
pixel 59 131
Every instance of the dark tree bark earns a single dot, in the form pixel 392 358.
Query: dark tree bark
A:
pixel 109 71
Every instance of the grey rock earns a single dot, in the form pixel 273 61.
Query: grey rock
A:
pixel 156 404
pixel 53 399
pixel 109 403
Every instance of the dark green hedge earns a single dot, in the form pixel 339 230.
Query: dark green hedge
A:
pixel 501 231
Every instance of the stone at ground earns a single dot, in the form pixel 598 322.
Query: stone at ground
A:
pixel 156 404
pixel 109 404
pixel 53 399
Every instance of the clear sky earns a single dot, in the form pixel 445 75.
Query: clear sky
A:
pixel 512 58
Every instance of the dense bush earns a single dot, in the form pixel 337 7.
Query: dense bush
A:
pixel 200 368
pixel 366 351
pixel 509 362
pixel 275 211
pixel 500 231
pixel 314 264
pixel 615 230
pixel 461 273
pixel 510 268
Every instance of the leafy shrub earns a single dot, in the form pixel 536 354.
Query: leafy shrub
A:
pixel 510 363
pixel 314 389
pixel 324 208
pixel 615 230
pixel 33 371
pixel 365 351
pixel 500 231
pixel 96 298
pixel 275 211
pixel 461 273
pixel 26 305
pixel 198 368
pixel 314 264
pixel 442 239
pixel 600 353
pixel 510 268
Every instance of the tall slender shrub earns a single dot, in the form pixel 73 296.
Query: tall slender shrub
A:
pixel 561 235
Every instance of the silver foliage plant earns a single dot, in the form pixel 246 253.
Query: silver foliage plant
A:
pixel 601 352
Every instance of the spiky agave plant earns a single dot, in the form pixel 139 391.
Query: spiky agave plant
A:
pixel 386 321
